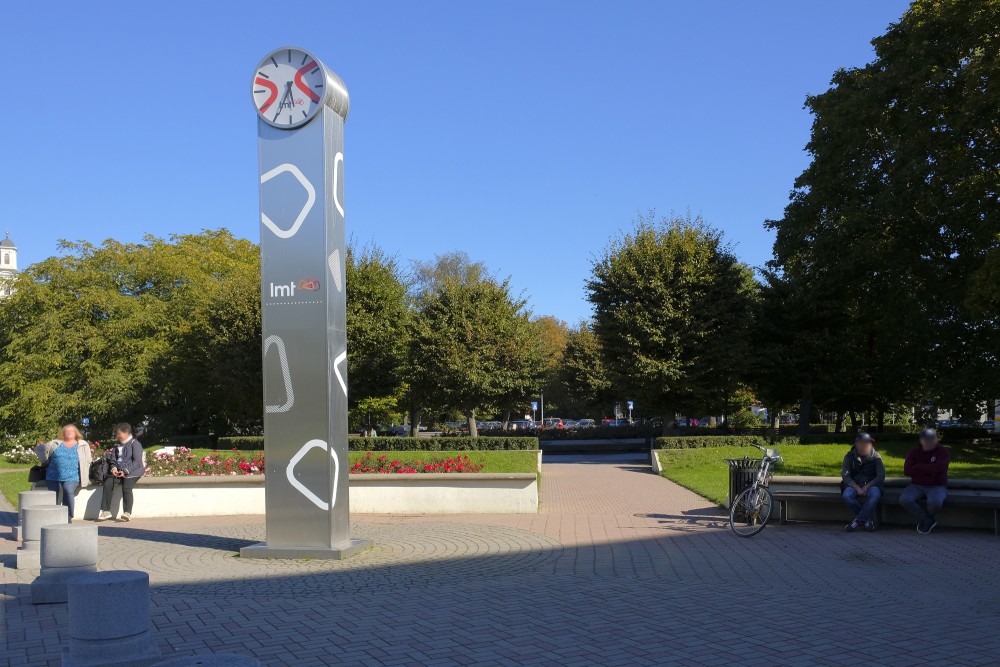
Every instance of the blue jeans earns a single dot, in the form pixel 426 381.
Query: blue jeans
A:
pixel 65 493
pixel 862 512
pixel 911 496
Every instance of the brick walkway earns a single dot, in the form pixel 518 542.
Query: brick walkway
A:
pixel 620 567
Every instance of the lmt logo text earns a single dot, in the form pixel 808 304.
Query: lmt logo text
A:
pixel 308 284
pixel 283 290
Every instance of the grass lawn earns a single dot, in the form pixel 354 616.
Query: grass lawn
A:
pixel 12 483
pixel 705 471
pixel 7 465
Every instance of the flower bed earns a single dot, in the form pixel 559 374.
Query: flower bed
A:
pixel 383 464
pixel 182 462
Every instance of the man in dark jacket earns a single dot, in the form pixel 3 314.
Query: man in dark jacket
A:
pixel 125 467
pixel 862 478
pixel 927 468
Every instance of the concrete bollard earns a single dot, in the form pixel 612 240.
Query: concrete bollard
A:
pixel 211 660
pixel 109 620
pixel 66 551
pixel 31 536
pixel 33 498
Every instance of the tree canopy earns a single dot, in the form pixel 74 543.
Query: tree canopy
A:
pixel 673 310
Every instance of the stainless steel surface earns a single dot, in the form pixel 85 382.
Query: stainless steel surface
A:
pixel 304 331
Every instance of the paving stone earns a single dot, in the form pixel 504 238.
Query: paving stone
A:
pixel 619 567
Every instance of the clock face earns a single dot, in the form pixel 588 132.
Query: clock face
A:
pixel 289 87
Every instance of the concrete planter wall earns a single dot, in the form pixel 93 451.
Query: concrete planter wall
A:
pixel 473 493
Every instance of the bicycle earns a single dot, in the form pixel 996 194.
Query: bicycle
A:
pixel 752 507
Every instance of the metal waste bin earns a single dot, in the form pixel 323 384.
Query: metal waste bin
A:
pixel 741 475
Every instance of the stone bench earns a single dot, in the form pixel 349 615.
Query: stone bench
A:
pixel 971 503
pixel 28 555
pixel 109 621
pixel 66 551
pixel 32 498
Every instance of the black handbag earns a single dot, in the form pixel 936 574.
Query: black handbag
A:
pixel 98 471
pixel 37 473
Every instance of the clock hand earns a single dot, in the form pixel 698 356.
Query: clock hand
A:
pixel 283 103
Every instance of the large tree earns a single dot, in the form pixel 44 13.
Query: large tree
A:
pixel 133 331
pixel 471 344
pixel 377 315
pixel 673 310
pixel 582 380
pixel 893 224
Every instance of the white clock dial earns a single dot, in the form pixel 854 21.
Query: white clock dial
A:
pixel 289 87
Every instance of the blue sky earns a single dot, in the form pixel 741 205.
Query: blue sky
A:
pixel 525 133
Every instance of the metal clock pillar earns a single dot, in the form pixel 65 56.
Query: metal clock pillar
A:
pixel 301 109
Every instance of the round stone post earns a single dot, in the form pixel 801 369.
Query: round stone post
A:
pixel 34 519
pixel 33 498
pixel 67 551
pixel 109 620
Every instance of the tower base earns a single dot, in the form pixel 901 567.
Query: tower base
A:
pixel 340 552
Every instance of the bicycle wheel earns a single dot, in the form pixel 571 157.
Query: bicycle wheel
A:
pixel 750 511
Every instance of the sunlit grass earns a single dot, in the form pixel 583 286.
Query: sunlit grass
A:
pixel 706 472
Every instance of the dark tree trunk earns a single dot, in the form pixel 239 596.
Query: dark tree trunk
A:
pixel 805 410
pixel 414 419
pixel 881 420
pixel 839 427
pixel 854 421
pixel 470 415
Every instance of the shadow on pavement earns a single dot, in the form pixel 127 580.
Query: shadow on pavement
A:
pixel 200 540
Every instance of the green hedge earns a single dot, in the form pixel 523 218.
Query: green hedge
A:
pixel 699 441
pixel 192 441
pixel 243 443
pixel 449 444
pixel 834 438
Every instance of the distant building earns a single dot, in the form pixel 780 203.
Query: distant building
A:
pixel 8 266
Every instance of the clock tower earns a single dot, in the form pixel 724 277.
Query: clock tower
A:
pixel 8 266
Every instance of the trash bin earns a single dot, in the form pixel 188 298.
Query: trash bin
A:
pixel 741 475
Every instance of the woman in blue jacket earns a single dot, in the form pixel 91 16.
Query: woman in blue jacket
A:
pixel 67 460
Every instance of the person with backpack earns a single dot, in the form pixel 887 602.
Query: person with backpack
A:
pixel 66 461
pixel 862 478
pixel 125 467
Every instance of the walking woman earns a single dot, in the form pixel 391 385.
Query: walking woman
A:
pixel 67 460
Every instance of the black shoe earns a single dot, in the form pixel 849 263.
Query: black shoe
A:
pixel 852 526
pixel 931 525
pixel 870 526
pixel 925 526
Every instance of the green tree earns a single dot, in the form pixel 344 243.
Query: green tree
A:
pixel 126 331
pixel 377 314
pixel 582 378
pixel 894 222
pixel 673 310
pixel 471 345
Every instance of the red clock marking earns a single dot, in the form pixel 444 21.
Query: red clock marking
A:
pixel 301 85
pixel 260 81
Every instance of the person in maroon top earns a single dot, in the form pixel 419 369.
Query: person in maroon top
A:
pixel 927 468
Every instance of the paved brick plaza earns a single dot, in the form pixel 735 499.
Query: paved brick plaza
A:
pixel 621 567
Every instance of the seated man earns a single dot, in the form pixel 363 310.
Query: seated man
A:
pixel 927 468
pixel 863 476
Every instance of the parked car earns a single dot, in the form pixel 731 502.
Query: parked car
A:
pixel 520 425
pixel 586 423
pixel 553 422
pixel 399 430
pixel 990 425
